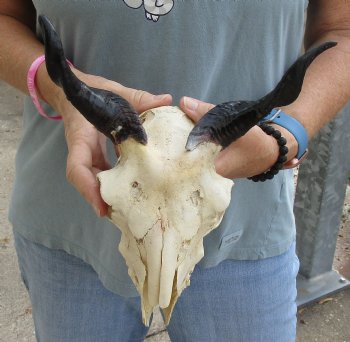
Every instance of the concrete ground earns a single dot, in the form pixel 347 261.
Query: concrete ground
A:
pixel 325 321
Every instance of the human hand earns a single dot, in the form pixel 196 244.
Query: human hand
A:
pixel 86 145
pixel 252 154
pixel 108 106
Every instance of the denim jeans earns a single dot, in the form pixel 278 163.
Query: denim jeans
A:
pixel 236 301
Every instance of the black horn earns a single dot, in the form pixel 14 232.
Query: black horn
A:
pixel 228 121
pixel 108 112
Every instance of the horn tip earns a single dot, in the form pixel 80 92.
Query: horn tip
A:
pixel 194 140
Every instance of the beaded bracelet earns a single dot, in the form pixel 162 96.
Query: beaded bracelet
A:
pixel 282 158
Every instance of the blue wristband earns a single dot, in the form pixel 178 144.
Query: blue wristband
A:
pixel 293 126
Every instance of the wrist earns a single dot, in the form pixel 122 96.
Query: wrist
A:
pixel 296 135
pixel 281 142
pixel 292 143
pixel 47 90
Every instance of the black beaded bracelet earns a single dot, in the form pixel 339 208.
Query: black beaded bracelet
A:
pixel 282 158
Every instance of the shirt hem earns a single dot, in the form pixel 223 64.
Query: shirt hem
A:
pixel 249 253
pixel 108 280
pixel 122 288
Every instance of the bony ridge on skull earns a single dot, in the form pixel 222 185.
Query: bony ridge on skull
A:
pixel 164 200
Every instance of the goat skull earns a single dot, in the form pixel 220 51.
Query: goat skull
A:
pixel 165 200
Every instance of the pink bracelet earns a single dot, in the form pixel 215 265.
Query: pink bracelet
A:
pixel 32 88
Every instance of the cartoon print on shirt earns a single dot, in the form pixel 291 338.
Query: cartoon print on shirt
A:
pixel 153 8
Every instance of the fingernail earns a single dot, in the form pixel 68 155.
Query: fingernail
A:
pixel 190 103
pixel 97 211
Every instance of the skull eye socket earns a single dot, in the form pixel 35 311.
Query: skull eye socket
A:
pixel 196 198
pixel 137 192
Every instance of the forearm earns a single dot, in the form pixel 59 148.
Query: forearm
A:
pixel 326 87
pixel 19 47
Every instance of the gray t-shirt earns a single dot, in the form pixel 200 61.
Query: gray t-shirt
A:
pixel 212 50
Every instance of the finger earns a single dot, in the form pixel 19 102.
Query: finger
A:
pixel 194 108
pixel 84 180
pixel 102 161
pixel 142 100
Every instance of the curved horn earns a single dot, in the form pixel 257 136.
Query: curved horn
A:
pixel 108 112
pixel 229 121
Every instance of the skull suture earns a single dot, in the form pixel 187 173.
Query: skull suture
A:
pixel 165 200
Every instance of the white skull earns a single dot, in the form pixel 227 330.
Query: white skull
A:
pixel 164 200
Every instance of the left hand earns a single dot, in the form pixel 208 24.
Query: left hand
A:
pixel 249 155
pixel 86 145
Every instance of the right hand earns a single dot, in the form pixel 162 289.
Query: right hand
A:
pixel 249 155
pixel 86 145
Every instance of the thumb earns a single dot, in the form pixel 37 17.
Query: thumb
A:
pixel 194 108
